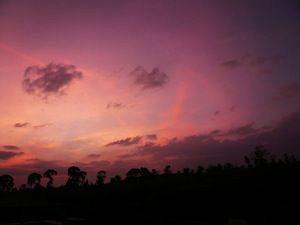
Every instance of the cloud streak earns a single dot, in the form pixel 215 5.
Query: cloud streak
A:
pixel 4 155
pixel 133 140
pixel 253 61
pixel 288 91
pixel 42 125
pixel 115 105
pixel 125 142
pixel 20 125
pixel 11 147
pixel 93 155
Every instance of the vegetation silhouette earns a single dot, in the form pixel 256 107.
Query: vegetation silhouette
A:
pixel 76 177
pixel 34 180
pixel 101 175
pixel 264 190
pixel 49 174
pixel 6 183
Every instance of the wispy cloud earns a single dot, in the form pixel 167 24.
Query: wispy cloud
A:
pixel 288 91
pixel 133 140
pixel 42 125
pixel 19 125
pixel 151 136
pixel 94 155
pixel 11 147
pixel 115 105
pixel 4 155
pixel 217 112
pixel 256 62
pixel 126 142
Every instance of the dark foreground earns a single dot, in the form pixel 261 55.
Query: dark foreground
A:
pixel 258 194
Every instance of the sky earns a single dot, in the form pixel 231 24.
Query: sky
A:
pixel 111 85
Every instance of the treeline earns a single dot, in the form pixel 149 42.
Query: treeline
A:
pixel 261 161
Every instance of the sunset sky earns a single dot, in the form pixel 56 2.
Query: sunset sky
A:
pixel 118 84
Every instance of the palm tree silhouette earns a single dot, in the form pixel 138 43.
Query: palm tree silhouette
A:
pixel 49 174
pixel 101 175
pixel 6 183
pixel 34 180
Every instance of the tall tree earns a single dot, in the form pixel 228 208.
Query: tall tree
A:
pixel 6 183
pixel 34 180
pixel 101 175
pixel 49 174
pixel 76 176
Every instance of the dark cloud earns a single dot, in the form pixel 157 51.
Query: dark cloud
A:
pixel 232 64
pixel 133 140
pixel 253 61
pixel 115 105
pixel 4 155
pixel 257 61
pixel 243 130
pixel 240 131
pixel 151 136
pixel 287 92
pixel 217 112
pixel 11 147
pixel 237 62
pixel 126 142
pixel 51 79
pixel 265 71
pixel 148 80
pixel 19 125
pixel 206 149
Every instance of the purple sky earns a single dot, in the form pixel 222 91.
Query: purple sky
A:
pixel 117 84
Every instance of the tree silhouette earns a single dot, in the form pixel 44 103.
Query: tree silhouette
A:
pixel 6 183
pixel 49 174
pixel 186 171
pixel 200 170
pixel 76 176
pixel 133 173
pixel 259 158
pixel 155 172
pixel 116 180
pixel 167 170
pixel 34 180
pixel 145 172
pixel 101 175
